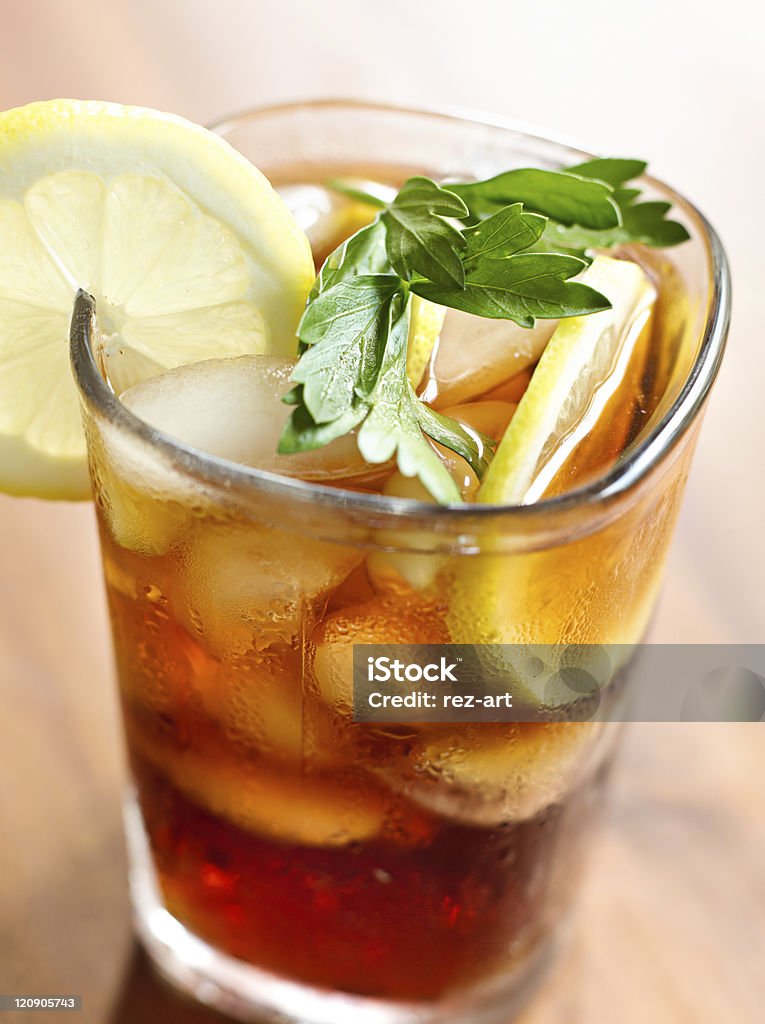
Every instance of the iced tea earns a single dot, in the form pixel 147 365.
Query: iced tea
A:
pixel 427 865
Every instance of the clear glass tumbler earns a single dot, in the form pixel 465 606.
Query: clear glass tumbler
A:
pixel 288 863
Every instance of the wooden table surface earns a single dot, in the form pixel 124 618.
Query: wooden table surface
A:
pixel 671 922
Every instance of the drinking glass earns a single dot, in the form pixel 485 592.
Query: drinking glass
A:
pixel 286 861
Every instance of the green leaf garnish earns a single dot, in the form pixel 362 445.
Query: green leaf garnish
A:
pixel 647 223
pixel 345 188
pixel 302 433
pixel 505 248
pixel 392 426
pixel 453 435
pixel 502 234
pixel 639 222
pixel 527 287
pixel 419 238
pixel 613 170
pixel 345 331
pixel 562 196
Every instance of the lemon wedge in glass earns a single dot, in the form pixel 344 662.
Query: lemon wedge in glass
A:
pixel 578 372
pixel 425 323
pixel 187 249
pixel 580 369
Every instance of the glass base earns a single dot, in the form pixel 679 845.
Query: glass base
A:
pixel 248 994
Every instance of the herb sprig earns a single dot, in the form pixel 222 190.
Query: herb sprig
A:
pixel 505 248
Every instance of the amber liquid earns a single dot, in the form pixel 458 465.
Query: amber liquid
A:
pixel 415 904
pixel 383 918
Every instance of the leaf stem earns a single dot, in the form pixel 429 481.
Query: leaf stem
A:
pixel 338 185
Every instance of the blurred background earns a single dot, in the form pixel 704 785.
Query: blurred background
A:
pixel 673 919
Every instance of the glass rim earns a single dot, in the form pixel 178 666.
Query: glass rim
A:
pixel 622 478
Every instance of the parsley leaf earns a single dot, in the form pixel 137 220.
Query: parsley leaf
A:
pixel 503 234
pixel 613 170
pixel 353 191
pixel 521 288
pixel 302 433
pixel 640 222
pixel 565 197
pixel 518 288
pixel 392 426
pixel 360 254
pixel 345 331
pixel 647 223
pixel 419 238
pixel 453 435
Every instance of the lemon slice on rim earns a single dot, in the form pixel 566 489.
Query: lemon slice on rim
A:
pixel 187 249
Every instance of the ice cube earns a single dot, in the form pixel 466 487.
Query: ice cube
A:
pixel 233 408
pixel 399 571
pixel 143 501
pixel 271 800
pixel 380 621
pixel 138 519
pixel 490 417
pixel 487 774
pixel 417 570
pixel 258 702
pixel 476 354
pixel 511 390
pixel 245 586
